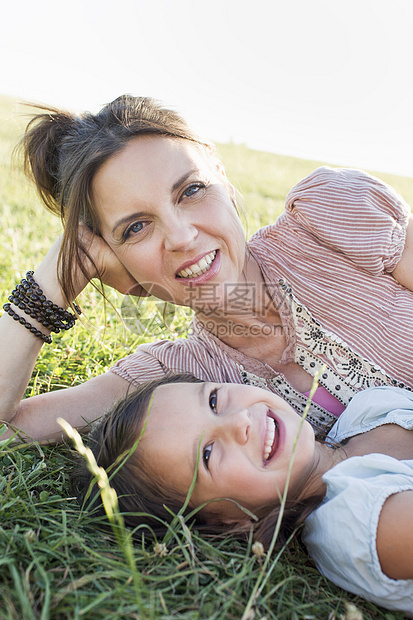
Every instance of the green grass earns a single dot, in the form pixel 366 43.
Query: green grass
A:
pixel 56 561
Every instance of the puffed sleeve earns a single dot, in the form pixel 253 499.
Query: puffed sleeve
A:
pixel 340 535
pixel 352 213
pixel 139 367
pixel 154 360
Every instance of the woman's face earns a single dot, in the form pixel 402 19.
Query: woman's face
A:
pixel 164 209
pixel 245 437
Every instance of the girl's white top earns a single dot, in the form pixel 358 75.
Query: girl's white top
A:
pixel 341 534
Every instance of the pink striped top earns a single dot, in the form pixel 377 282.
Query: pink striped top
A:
pixel 326 263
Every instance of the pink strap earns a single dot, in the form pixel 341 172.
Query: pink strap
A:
pixel 323 398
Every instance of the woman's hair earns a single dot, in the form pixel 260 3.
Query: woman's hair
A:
pixel 62 153
pixel 144 499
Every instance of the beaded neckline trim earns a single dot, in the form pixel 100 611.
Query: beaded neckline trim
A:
pixel 345 373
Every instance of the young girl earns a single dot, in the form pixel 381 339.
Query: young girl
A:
pixel 245 444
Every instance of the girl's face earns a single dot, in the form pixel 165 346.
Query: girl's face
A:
pixel 164 209
pixel 245 437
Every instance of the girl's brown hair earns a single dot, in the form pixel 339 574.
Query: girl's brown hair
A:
pixel 62 153
pixel 142 497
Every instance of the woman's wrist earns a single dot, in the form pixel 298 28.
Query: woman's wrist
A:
pixel 28 300
pixel 46 276
pixel 38 302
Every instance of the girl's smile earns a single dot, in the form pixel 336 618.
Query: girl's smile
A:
pixel 165 209
pixel 244 436
pixel 274 437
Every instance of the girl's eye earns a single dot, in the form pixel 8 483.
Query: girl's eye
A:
pixel 192 190
pixel 213 400
pixel 213 404
pixel 206 455
pixel 133 229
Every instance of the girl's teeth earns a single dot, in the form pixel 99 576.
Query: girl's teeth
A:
pixel 198 268
pixel 269 437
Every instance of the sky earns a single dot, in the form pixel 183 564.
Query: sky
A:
pixel 330 80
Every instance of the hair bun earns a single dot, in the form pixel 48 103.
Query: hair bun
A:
pixel 41 147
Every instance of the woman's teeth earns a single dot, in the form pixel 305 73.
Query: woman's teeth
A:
pixel 198 268
pixel 269 437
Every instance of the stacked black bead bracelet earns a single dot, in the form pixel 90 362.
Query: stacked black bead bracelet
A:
pixel 29 297
pixel 26 324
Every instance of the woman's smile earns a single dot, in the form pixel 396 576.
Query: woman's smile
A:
pixel 193 270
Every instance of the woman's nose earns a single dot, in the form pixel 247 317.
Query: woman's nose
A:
pixel 235 425
pixel 179 235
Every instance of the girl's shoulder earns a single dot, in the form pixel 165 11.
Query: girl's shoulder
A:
pixel 372 408
pixel 341 533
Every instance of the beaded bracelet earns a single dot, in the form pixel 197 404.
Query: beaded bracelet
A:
pixel 29 297
pixel 32 312
pixel 26 324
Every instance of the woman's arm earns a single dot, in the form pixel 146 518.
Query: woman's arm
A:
pixel 36 417
pixel 395 536
pixel 403 272
pixel 19 349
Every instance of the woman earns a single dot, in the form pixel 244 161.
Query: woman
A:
pixel 147 207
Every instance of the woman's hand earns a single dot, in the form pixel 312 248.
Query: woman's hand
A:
pixel 108 266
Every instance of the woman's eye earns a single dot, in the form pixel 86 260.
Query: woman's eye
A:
pixel 206 455
pixel 213 400
pixel 133 229
pixel 192 190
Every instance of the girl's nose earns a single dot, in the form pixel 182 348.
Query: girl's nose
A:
pixel 235 425
pixel 179 235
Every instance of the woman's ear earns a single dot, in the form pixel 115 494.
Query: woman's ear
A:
pixel 220 167
pixel 221 173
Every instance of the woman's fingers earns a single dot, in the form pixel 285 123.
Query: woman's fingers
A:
pixel 102 262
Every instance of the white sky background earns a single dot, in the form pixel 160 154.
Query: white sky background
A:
pixel 322 79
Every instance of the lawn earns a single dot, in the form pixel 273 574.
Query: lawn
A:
pixel 58 562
